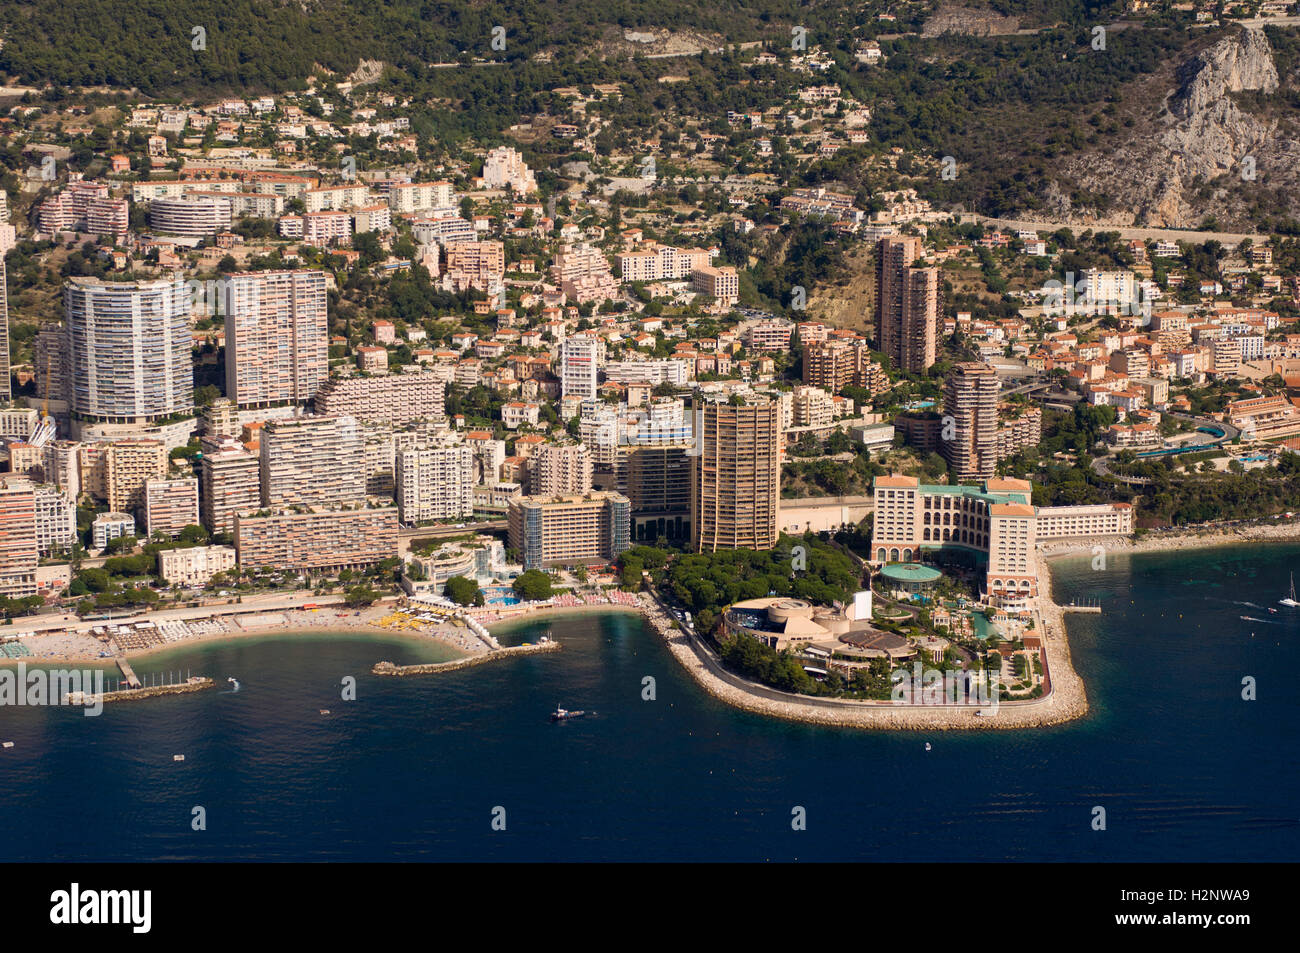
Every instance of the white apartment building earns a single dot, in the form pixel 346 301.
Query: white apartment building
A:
pixel 434 483
pixel 580 360
pixel 336 198
pixel 410 197
pixel 505 167
pixel 195 567
pixel 326 227
pixel 670 371
pixel 56 521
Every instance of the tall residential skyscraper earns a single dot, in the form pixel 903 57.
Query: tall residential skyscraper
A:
pixel 277 336
pixel 6 388
pixel 6 243
pixel 579 361
pixel 907 304
pixel 969 440
pixel 312 461
pixel 736 480
pixel 127 349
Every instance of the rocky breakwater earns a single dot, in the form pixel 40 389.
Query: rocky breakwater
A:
pixel 195 684
pixel 430 668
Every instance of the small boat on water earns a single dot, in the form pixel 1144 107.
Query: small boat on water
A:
pixel 1291 599
pixel 563 714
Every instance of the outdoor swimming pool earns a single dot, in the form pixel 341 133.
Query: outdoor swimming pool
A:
pixel 500 596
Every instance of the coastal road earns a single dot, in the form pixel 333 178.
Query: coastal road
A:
pixel 1230 433
pixel 1126 232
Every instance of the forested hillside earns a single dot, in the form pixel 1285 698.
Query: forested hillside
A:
pixel 273 45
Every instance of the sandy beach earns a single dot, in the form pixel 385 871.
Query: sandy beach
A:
pixel 81 647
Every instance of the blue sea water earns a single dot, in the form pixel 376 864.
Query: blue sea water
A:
pixel 415 768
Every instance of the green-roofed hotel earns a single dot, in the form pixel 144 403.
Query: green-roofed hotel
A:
pixel 996 523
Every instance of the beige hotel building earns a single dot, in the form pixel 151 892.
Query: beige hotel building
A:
pixel 571 528
pixel 996 524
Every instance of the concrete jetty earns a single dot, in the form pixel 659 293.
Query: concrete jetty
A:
pixel 132 680
pixel 429 668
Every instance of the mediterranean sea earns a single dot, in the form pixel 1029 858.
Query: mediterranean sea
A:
pixel 417 768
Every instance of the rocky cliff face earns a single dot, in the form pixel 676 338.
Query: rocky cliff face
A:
pixel 950 18
pixel 1185 162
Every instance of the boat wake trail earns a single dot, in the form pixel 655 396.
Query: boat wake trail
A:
pixel 1236 602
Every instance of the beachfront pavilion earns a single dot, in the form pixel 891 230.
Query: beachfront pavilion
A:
pixel 782 622
pixel 911 578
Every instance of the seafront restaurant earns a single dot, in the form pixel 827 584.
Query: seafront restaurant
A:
pixel 911 580
pixel 782 622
